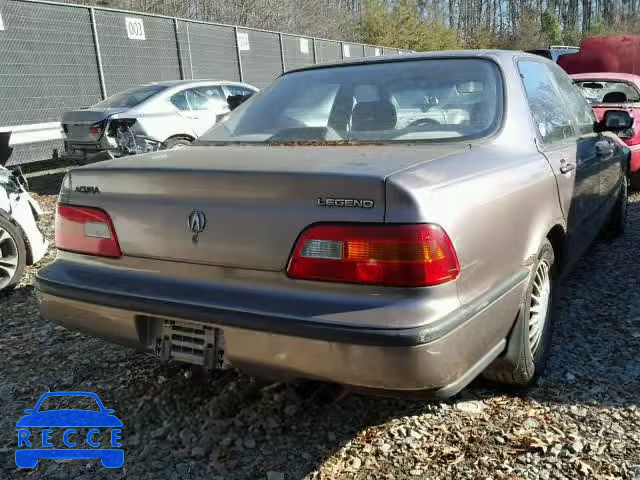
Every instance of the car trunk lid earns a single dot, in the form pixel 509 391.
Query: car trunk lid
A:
pixel 77 124
pixel 251 202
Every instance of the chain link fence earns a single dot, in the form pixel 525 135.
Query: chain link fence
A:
pixel 57 57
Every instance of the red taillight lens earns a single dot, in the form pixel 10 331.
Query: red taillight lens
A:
pixel 392 255
pixel 96 129
pixel 86 230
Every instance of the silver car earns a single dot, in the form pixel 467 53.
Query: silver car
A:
pixel 394 224
pixel 174 112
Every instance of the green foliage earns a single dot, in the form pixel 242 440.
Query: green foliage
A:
pixel 571 37
pixel 402 25
pixel 528 32
pixel 482 37
pixel 550 29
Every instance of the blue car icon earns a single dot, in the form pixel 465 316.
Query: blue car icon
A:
pixel 29 451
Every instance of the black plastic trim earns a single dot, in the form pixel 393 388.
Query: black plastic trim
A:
pixel 286 325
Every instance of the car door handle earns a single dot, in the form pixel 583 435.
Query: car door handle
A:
pixel 567 167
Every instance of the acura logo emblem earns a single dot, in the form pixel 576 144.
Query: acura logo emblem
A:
pixel 197 223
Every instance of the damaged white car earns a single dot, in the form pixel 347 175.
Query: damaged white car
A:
pixel 21 242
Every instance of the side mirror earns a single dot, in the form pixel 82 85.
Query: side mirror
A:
pixel 616 121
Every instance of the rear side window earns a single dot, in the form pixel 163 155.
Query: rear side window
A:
pixel 131 98
pixel 550 114
pixel 200 98
pixel 577 104
pixel 179 100
pixel 238 90
pixel 205 98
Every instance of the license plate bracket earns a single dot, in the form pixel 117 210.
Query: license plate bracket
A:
pixel 192 342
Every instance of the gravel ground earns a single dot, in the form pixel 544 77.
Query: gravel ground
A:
pixel 582 421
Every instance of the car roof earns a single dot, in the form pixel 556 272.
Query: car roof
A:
pixel 503 55
pixel 186 83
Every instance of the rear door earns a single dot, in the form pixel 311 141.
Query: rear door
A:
pixel 208 102
pixel 601 147
pixel 200 106
pixel 570 153
pixel 184 119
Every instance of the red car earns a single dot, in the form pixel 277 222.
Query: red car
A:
pixel 619 91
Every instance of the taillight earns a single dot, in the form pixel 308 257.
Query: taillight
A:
pixel 86 230
pixel 392 255
pixel 96 129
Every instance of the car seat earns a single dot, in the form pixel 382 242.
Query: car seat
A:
pixel 377 115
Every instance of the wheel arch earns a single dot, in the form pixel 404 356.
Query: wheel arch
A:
pixel 27 243
pixel 558 239
pixel 184 136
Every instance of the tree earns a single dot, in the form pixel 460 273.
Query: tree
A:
pixel 402 25
pixel 550 29
pixel 414 24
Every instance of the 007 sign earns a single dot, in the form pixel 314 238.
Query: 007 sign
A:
pixel 135 28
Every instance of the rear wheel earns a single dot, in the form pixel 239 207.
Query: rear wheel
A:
pixel 530 340
pixel 13 254
pixel 177 142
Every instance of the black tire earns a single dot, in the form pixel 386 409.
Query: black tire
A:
pixel 177 142
pixel 11 244
pixel 519 366
pixel 617 222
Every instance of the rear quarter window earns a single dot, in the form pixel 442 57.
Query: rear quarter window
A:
pixel 550 114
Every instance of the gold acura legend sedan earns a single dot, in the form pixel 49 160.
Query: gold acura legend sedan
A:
pixel 395 224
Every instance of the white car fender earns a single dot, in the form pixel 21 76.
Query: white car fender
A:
pixel 18 206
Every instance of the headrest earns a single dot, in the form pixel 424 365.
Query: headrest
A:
pixel 379 115
pixel 614 97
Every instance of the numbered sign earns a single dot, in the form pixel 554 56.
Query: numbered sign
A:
pixel 304 45
pixel 346 51
pixel 135 28
pixel 243 41
pixel 1 23
pixel 376 52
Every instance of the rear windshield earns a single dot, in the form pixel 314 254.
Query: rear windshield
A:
pixel 430 100
pixel 608 92
pixel 131 98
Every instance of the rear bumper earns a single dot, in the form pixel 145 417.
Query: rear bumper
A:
pixel 440 358
pixel 84 150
